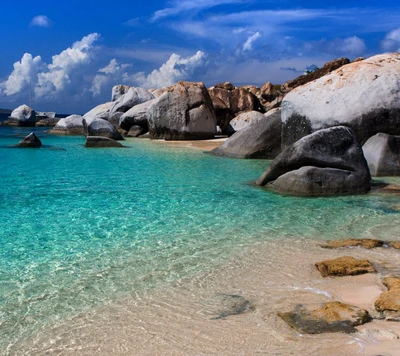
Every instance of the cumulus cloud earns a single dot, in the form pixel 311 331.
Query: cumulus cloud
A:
pixel 108 76
pixel 247 46
pixel 391 42
pixel 174 69
pixel 349 47
pixel 41 21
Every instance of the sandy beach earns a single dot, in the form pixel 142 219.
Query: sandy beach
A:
pixel 180 319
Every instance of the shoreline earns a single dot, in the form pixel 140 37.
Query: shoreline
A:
pixel 178 319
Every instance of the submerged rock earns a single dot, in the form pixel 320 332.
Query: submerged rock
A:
pixel 327 162
pixel 331 317
pixel 344 266
pixel 366 243
pixel 382 152
pixel 30 141
pixel 101 142
pixel 223 305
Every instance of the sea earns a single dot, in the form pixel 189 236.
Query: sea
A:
pixel 83 228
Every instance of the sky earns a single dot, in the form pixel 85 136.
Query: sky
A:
pixel 66 56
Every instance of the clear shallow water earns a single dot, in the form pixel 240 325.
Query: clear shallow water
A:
pixel 81 227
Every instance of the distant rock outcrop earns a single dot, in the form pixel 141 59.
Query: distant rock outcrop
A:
pixel 327 162
pixel 363 95
pixel 260 139
pixel 382 152
pixel 185 111
pixel 30 141
pixel 22 116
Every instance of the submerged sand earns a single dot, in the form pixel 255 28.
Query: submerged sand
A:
pixel 274 276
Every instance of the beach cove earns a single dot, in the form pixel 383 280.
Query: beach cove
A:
pixel 124 251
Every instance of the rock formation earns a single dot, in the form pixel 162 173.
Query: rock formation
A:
pixel 101 142
pixel 260 139
pixel 363 95
pixel 22 116
pixel 30 141
pixel 326 162
pixel 100 127
pixel 185 111
pixel 382 152
pixel 132 97
pixel 344 266
pixel 136 116
pixel 71 125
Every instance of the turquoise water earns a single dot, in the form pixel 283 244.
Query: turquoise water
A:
pixel 80 227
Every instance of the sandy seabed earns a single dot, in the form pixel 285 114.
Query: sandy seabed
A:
pixel 274 276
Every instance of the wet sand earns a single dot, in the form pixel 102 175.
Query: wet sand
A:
pixel 204 145
pixel 274 276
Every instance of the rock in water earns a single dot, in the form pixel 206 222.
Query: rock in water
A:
pixel 365 243
pixel 30 141
pixel 260 139
pixel 22 116
pixel 327 162
pixel 344 266
pixel 223 305
pixel 101 142
pixel 363 95
pixel 331 317
pixel 382 152
pixel 71 125
pixel 183 112
pixel 389 301
pixel 100 127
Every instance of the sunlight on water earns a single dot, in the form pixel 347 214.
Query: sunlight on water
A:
pixel 80 227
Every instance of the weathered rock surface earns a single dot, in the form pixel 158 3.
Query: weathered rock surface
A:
pixel 100 127
pixel 101 111
pixel 327 162
pixel 260 139
pixel 135 131
pixel 331 317
pixel 136 116
pixel 223 114
pixel 118 90
pixel 101 142
pixel 395 244
pixel 382 152
pixel 365 243
pixel 185 111
pixel 223 305
pixel 30 141
pixel 390 300
pixel 71 125
pixel 344 266
pixel 244 120
pixel 306 78
pixel 22 116
pixel 364 96
pixel 50 121
pixel 132 97
pixel 236 99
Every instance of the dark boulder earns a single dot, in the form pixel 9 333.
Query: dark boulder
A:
pixel 30 141
pixel 100 127
pixel 22 116
pixel 101 142
pixel 327 162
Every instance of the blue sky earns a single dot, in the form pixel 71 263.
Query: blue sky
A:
pixel 69 54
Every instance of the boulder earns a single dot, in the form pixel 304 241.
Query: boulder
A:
pixel 132 97
pixel 22 116
pixel 118 90
pixel 135 131
pixel 327 162
pixel 136 116
pixel 306 78
pixel 344 266
pixel 382 152
pixel 101 142
pixel 223 114
pixel 394 244
pixel 365 243
pixel 100 127
pixel 244 120
pixel 101 111
pixel 71 125
pixel 30 141
pixel 330 317
pixel 260 139
pixel 390 300
pixel 185 111
pixel 46 122
pixel 364 96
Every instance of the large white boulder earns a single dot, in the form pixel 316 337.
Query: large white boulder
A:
pixel 185 111
pixel 70 125
pixel 132 97
pixel 101 111
pixel 363 95
pixel 118 91
pixel 22 116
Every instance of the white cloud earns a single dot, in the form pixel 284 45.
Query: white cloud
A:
pixel 41 21
pixel 247 46
pixel 348 47
pixel 391 42
pixel 174 69
pixel 108 76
